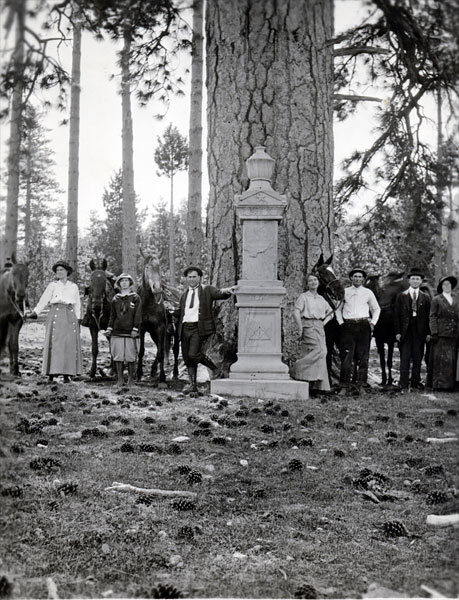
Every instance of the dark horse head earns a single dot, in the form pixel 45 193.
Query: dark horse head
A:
pixel 152 276
pixel 14 278
pixel 100 292
pixel 14 281
pixel 330 287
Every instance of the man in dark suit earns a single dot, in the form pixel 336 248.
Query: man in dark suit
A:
pixel 412 308
pixel 196 321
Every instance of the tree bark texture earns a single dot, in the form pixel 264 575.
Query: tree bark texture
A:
pixel 11 217
pixel 28 203
pixel 172 237
pixel 129 225
pixel 74 143
pixel 194 213
pixel 270 83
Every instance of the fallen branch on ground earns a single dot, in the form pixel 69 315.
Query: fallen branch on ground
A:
pixel 126 487
pixel 443 520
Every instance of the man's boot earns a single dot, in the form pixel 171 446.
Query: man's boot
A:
pixel 193 373
pixel 119 372
pixel 207 362
pixel 131 372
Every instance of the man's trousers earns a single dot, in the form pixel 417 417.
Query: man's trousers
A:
pixel 411 351
pixel 355 350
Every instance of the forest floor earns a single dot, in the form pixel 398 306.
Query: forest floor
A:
pixel 288 499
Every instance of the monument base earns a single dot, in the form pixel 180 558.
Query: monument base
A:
pixel 266 389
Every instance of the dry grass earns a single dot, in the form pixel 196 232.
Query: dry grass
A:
pixel 258 530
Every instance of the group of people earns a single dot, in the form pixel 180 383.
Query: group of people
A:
pixel 418 322
pixel 62 347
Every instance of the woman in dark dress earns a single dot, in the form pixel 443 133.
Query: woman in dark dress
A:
pixel 444 329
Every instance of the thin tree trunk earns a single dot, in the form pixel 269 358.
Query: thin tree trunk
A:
pixel 172 237
pixel 129 224
pixel 194 216
pixel 439 198
pixel 270 83
pixel 28 202
pixel 74 141
pixel 11 217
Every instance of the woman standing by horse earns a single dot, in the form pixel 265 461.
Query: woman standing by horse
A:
pixel 311 313
pixel 62 350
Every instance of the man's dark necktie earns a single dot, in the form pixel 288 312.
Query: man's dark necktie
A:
pixel 192 299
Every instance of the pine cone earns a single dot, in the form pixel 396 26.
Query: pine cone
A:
pixel 124 432
pixel 13 491
pixel 391 434
pixel 284 413
pixel 267 428
pixel 175 449
pixel 204 424
pixel 202 432
pixel 339 452
pixel 194 477
pixel 295 465
pixel 184 469
pixel 149 448
pixel 93 432
pixel 286 426
pixel 165 591
pixel 221 441
pixel 17 449
pixel 305 442
pixel 150 419
pixel 394 529
pixel 452 412
pixel 185 533
pixel 434 470
pixel 306 591
pixel 144 499
pixel 127 447
pixel 67 488
pixel 183 504
pixel 409 438
pixel 437 497
pixel 44 464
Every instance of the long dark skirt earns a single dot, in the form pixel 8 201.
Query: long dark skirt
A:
pixel 62 351
pixel 443 364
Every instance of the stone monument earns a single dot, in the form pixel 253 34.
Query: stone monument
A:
pixel 259 371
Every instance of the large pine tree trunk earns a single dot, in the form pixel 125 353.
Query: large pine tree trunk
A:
pixel 28 202
pixel 74 142
pixel 194 217
pixel 270 83
pixel 129 225
pixel 11 218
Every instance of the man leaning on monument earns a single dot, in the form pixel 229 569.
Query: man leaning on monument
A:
pixel 196 321
pixel 357 316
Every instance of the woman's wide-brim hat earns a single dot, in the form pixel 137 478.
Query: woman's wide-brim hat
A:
pixel 123 276
pixel 191 268
pixel 449 278
pixel 357 270
pixel 416 272
pixel 62 263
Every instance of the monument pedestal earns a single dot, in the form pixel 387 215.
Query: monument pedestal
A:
pixel 259 371
pixel 266 389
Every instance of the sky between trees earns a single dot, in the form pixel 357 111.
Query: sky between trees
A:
pixel 100 133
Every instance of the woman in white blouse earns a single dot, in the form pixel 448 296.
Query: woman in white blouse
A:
pixel 311 313
pixel 62 350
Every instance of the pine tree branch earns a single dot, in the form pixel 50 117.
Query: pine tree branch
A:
pixel 356 98
pixel 355 50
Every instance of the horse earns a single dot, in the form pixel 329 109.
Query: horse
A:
pixel 100 292
pixel 156 319
pixel 14 278
pixel 332 290
pixel 384 331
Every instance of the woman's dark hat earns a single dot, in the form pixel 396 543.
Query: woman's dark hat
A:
pixel 357 270
pixel 188 269
pixel 449 278
pixel 62 263
pixel 416 272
